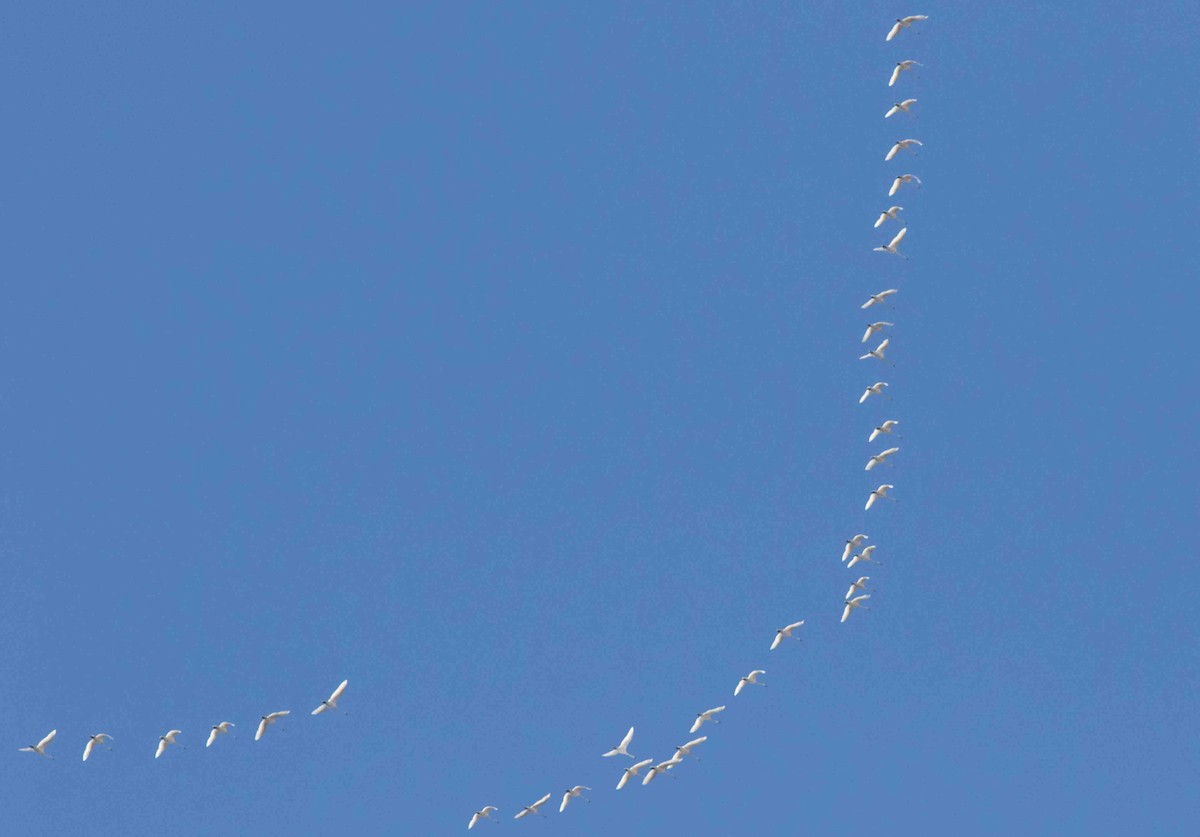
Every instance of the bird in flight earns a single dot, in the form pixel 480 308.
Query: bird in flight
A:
pixel 706 716
pixel 886 427
pixel 633 771
pixel 662 767
pixel 878 351
pixel 874 389
pixel 899 107
pixel 533 809
pixel 333 699
pixel 621 749
pixel 902 66
pixel 891 246
pixel 751 678
pixel 852 604
pixel 571 794
pixel 881 297
pixel 218 729
pixel 892 212
pixel 880 458
pixel 484 813
pixel 93 740
pixel 901 180
pixel 874 328
pixel 903 23
pixel 900 146
pixel 40 747
pixel 267 720
pixel 855 586
pixel 164 740
pixel 686 749
pixel 783 633
pixel 865 555
pixel 879 492
pixel 853 544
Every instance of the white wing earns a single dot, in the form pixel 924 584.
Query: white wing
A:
pixel 846 613
pixel 541 802
pixel 474 819
pixel 892 152
pixel 87 750
pixel 908 103
pixel 650 775
pixel 162 745
pixel 894 31
pixel 895 185
pixel 566 799
pixel 914 18
pixel 899 237
pixel 882 217
pixel 624 778
pixel 337 693
pixel 895 75
pixel 262 727
pixel 627 739
pixel 870 502
pixel 42 744
pixel 741 685
pixel 699 722
pixel 794 625
pixel 320 709
pixel 893 110
pixel 874 436
pixel 275 716
pixel 521 813
pixel 778 639
pixel 212 736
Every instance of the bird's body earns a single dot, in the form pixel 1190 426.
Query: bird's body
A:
pixel 900 107
pixel 218 729
pixel 856 586
pixel 93 740
pixel 874 389
pixel 533 809
pixel 164 740
pixel 900 146
pixel 40 747
pixel 571 794
pixel 785 632
pixel 878 351
pixel 632 771
pixel 267 720
pixel 891 246
pixel 331 703
pixel 874 328
pixel 853 544
pixel 877 493
pixel 892 212
pixel 852 604
pixel 751 679
pixel 881 297
pixel 886 427
pixel 707 715
pixel 621 749
pixel 686 749
pixel 901 180
pixel 865 555
pixel 903 23
pixel 880 458
pixel 902 66
pixel 485 813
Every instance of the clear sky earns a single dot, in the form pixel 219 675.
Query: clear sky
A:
pixel 502 358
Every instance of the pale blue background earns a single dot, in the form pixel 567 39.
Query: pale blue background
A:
pixel 502 359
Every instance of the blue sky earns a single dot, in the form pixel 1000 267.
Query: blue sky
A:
pixel 503 360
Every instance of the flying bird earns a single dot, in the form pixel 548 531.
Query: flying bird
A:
pixel 632 771
pixel 484 814
pixel 706 716
pixel 878 351
pixel 267 720
pixel 900 106
pixel 533 809
pixel 901 180
pixel 784 633
pixel 874 389
pixel 93 740
pixel 891 246
pixel 218 729
pixel 40 747
pixel 892 212
pixel 880 458
pixel 571 794
pixel 622 749
pixel 900 146
pixel 851 604
pixel 164 740
pixel 873 328
pixel 751 678
pixel 662 767
pixel 865 555
pixel 853 544
pixel 879 298
pixel 855 586
pixel 879 492
pixel 333 699
pixel 903 23
pixel 902 66
pixel 686 749
pixel 886 427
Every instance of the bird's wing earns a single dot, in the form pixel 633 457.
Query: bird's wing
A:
pixel 541 802
pixel 874 436
pixel 87 749
pixel 850 592
pixel 778 639
pixel 870 502
pixel 262 727
pixel 895 186
pixel 894 31
pixel 274 716
pixel 893 109
pixel 867 334
pixel 882 217
pixel 880 249
pixel 650 774
pixel 521 813
pixel 892 152
pixel 624 779
pixel 899 237
pixel 610 753
pixel 879 349
pixel 908 103
pixel 337 693
pixel 628 738
pixel 915 18
pixel 863 398
pixel 320 709
pixel 870 463
pixel 846 613
pixel 795 625
pixel 699 722
pixel 895 75
pixel 474 819
pixel 566 799
pixel 47 739
pixel 890 451
pixel 162 745
pixel 738 689
pixel 212 736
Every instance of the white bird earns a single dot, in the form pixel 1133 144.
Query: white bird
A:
pixel 164 740
pixel 632 771
pixel 865 555
pixel 901 180
pixel 40 747
pixel 570 794
pixel 622 749
pixel 853 544
pixel 851 604
pixel 266 721
pixel 903 23
pixel 686 749
pixel 706 716
pixel 751 678
pixel 878 351
pixel 533 809
pixel 784 633
pixel 879 298
pixel 484 814
pixel 333 699
pixel 879 492
pixel 855 586
pixel 874 389
pixel 886 427
pixel 892 212
pixel 891 246
pixel 93 740
pixel 900 146
pixel 662 767
pixel 880 458
pixel 902 66
pixel 873 328
pixel 900 106
pixel 218 729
